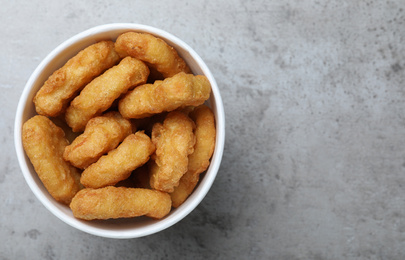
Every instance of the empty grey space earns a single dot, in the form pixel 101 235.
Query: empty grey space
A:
pixel 314 159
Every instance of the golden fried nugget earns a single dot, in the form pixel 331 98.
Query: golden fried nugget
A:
pixel 101 135
pixel 99 94
pixel 174 141
pixel 44 143
pixel 118 164
pixel 199 160
pixel 179 91
pixel 155 51
pixel 120 202
pixel 61 87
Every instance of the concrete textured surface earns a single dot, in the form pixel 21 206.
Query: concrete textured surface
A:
pixel 314 161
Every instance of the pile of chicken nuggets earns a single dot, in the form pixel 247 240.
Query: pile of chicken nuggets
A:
pixel 122 130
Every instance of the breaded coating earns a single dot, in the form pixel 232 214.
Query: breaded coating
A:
pixel 199 160
pixel 155 51
pixel 118 164
pixel 179 91
pixel 120 202
pixel 100 93
pixel 44 143
pixel 61 87
pixel 174 141
pixel 102 134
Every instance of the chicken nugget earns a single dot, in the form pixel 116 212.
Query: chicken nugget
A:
pixel 61 87
pixel 44 143
pixel 100 93
pixel 120 202
pixel 101 135
pixel 118 164
pixel 155 51
pixel 179 91
pixel 199 160
pixel 174 141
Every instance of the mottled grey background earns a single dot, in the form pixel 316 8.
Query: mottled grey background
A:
pixel 314 95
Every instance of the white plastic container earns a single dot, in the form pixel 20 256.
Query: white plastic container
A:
pixel 121 228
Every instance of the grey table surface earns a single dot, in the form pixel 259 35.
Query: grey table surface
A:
pixel 314 160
